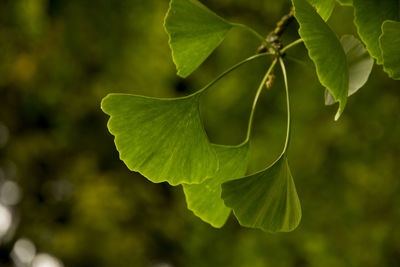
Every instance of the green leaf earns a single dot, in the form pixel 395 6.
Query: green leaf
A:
pixel 205 199
pixel 194 32
pixel 325 51
pixel 345 2
pixel 266 200
pixel 323 7
pixel 390 44
pixel 359 62
pixel 163 139
pixel 368 18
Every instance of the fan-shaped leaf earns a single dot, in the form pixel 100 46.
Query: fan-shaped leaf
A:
pixel 163 139
pixel 368 18
pixel 266 200
pixel 359 62
pixel 325 51
pixel 205 199
pixel 194 32
pixel 390 44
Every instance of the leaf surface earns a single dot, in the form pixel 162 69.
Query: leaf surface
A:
pixel 359 62
pixel 390 44
pixel 325 51
pixel 205 199
pixel 266 200
pixel 323 7
pixel 194 32
pixel 163 139
pixel 368 18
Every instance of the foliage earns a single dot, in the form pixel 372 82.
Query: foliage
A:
pixel 326 51
pixel 205 199
pixel 164 139
pixel 81 203
pixel 369 16
pixel 194 33
pixel 389 43
pixel 171 143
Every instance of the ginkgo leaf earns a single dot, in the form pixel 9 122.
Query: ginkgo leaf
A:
pixel 325 51
pixel 205 199
pixel 266 200
pixel 163 139
pixel 390 44
pixel 323 7
pixel 368 18
pixel 359 62
pixel 194 32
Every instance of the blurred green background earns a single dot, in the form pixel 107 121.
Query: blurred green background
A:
pixel 65 193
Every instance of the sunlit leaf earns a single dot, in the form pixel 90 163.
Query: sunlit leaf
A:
pixel 325 50
pixel 194 32
pixel 368 18
pixel 390 44
pixel 205 199
pixel 323 7
pixel 266 200
pixel 359 62
pixel 163 139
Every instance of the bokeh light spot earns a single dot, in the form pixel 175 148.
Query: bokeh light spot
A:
pixel 46 260
pixel 23 252
pixel 5 220
pixel 10 193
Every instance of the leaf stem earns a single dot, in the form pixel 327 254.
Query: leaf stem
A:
pixel 262 85
pixel 287 106
pixel 258 35
pixel 237 65
pixel 298 41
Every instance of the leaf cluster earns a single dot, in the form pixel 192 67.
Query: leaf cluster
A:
pixel 164 139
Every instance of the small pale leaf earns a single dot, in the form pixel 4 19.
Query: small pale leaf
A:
pixel 325 51
pixel 329 100
pixel 163 139
pixel 368 18
pixel 194 32
pixel 266 200
pixel 359 62
pixel 205 199
pixel 390 44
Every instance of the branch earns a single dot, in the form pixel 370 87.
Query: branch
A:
pixel 273 37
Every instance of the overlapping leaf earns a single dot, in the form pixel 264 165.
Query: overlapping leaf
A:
pixel 205 199
pixel 266 200
pixel 368 18
pixel 359 62
pixel 194 32
pixel 163 139
pixel 390 45
pixel 323 7
pixel 325 51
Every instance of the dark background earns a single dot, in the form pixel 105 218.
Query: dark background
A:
pixel 78 201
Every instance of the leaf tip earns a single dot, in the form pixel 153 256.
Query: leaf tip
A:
pixel 337 116
pixel 340 110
